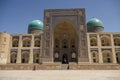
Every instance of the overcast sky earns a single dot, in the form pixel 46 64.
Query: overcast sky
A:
pixel 15 15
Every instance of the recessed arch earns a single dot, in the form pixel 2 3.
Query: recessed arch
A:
pixel 64 20
pixel 25 57
pixel 93 41
pixel 105 41
pixel 37 42
pixel 107 56
pixel 117 41
pixel 65 39
pixel 67 24
pixel 26 42
pixel 36 57
pixel 95 56
pixel 13 57
pixel 118 57
pixel 15 42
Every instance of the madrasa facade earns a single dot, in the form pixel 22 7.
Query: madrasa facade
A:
pixel 62 41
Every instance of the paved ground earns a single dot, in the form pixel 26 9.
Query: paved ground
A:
pixel 61 75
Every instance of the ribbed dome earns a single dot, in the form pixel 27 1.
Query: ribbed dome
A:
pixel 36 24
pixel 94 22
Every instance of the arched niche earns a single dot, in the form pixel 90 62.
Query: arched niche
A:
pixel 117 41
pixel 107 56
pixel 37 43
pixel 118 57
pixel 15 42
pixel 105 41
pixel 13 57
pixel 95 56
pixel 93 41
pixel 26 42
pixel 25 57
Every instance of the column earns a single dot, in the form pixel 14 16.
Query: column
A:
pixel 99 49
pixel 31 56
pixel 19 56
pixel 8 57
pixel 113 49
pixel 41 48
pixel 9 49
pixel 9 52
pixel 89 53
pixel 31 50
pixel 19 50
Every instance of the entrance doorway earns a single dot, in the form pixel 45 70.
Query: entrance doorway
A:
pixel 65 59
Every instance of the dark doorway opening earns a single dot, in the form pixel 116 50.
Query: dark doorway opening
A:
pixel 65 59
pixel 23 60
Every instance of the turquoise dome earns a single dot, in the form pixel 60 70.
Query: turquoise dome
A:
pixel 95 22
pixel 36 24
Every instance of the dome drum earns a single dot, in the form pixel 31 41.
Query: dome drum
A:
pixel 35 31
pixel 95 29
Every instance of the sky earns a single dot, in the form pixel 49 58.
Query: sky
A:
pixel 15 15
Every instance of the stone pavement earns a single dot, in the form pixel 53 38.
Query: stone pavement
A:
pixel 60 75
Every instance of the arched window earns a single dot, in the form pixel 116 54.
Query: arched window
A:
pixel 72 43
pixel 15 43
pixel 36 57
pixel 95 57
pixel 57 44
pixel 93 42
pixel 13 57
pixel 64 44
pixel 25 57
pixel 118 57
pixel 107 57
pixel 37 43
pixel 116 41
pixel 26 42
pixel 105 41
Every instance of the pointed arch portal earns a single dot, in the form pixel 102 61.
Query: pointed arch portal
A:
pixel 65 42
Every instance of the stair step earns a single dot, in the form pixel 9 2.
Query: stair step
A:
pixel 64 66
